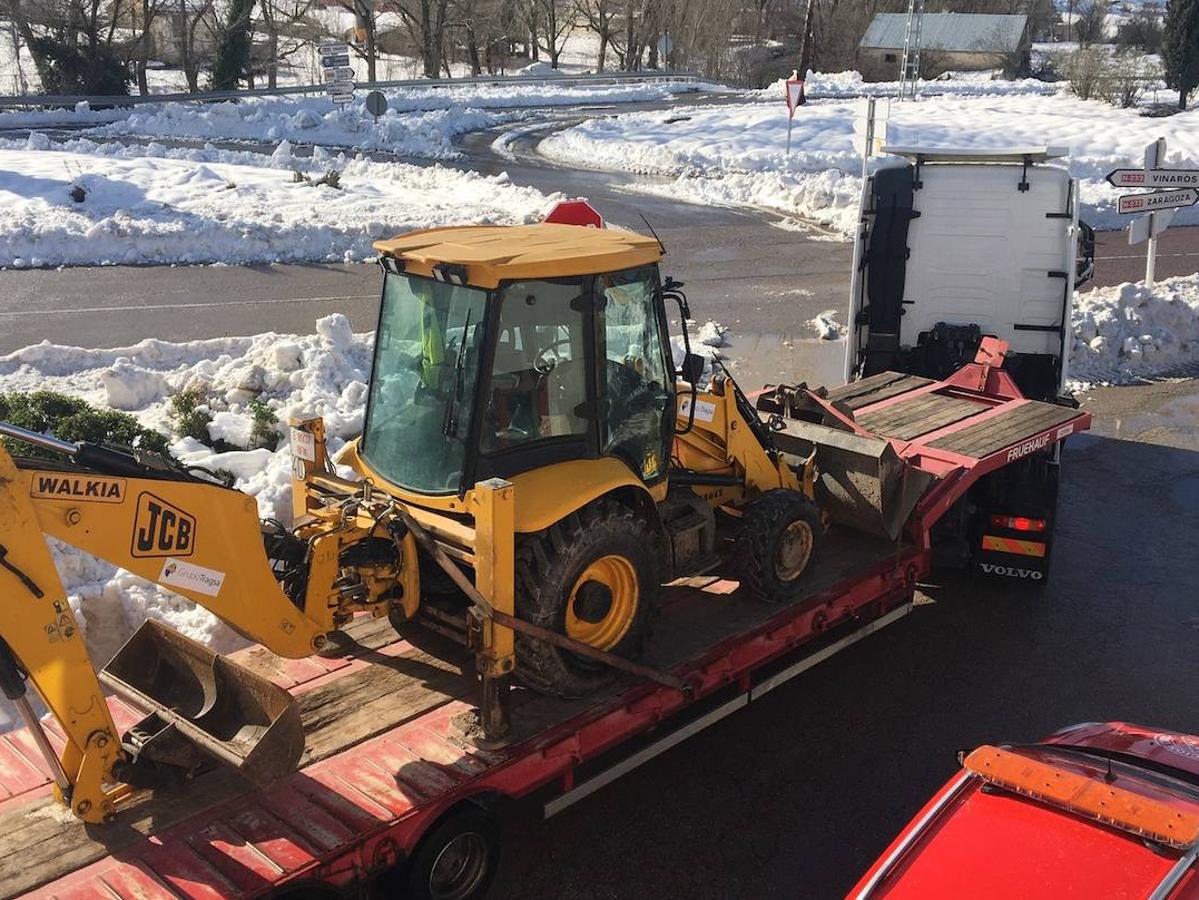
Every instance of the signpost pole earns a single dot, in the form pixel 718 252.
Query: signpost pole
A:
pixel 790 122
pixel 1154 155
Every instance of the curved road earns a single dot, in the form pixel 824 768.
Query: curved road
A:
pixel 796 795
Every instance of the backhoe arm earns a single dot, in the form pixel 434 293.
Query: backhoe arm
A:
pixel 41 636
pixel 201 540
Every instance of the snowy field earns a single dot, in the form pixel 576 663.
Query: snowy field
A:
pixel 139 206
pixel 1122 334
pixel 735 154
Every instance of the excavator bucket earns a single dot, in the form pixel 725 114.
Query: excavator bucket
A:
pixel 232 714
pixel 860 481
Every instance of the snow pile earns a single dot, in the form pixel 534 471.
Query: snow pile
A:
pixel 310 121
pixel 706 341
pixel 736 154
pixel 827 327
pixel 75 209
pixel 420 121
pixel 822 85
pixel 324 374
pixel 1129 331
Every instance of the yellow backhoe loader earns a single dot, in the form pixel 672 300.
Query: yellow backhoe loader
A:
pixel 532 468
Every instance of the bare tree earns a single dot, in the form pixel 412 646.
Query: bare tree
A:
pixel 550 21
pixel 281 21
pixel 600 16
pixel 1090 22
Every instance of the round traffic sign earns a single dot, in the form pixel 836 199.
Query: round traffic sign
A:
pixel 376 103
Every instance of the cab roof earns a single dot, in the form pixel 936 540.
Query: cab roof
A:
pixel 495 253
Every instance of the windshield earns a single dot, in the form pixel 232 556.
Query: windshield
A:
pixel 423 382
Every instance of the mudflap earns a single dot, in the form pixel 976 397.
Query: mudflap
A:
pixel 198 699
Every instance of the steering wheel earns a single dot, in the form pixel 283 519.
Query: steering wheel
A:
pixel 548 357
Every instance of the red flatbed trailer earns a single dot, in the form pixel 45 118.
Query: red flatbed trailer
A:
pixel 385 762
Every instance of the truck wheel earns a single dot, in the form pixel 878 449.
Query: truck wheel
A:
pixel 779 535
pixel 456 860
pixel 594 577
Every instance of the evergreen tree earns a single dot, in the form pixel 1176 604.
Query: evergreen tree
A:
pixel 1180 47
pixel 232 60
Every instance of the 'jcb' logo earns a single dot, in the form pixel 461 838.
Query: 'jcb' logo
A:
pixel 161 529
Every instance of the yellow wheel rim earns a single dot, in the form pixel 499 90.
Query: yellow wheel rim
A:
pixel 794 551
pixel 603 602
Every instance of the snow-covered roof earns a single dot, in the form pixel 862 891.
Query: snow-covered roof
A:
pixel 949 32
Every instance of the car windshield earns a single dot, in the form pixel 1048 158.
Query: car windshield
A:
pixel 423 382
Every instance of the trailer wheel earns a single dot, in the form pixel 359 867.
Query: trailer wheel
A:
pixel 779 535
pixel 457 859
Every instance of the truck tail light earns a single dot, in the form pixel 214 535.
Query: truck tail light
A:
pixel 1018 523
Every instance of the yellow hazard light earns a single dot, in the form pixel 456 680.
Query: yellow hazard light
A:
pixel 1092 798
pixel 1013 545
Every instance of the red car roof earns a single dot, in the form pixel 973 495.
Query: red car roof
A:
pixel 972 840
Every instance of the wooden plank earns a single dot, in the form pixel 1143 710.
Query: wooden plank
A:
pixel 1005 429
pixel 878 387
pixel 909 421
pixel 40 842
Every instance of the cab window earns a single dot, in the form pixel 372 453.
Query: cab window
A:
pixel 637 388
pixel 538 384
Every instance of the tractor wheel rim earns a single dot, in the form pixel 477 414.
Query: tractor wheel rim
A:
pixel 794 551
pixel 459 868
pixel 617 575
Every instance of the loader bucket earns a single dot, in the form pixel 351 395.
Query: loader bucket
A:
pixel 860 481
pixel 234 715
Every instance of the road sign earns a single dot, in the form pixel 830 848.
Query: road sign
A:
pixel 795 98
pixel 1136 203
pixel 575 212
pixel 795 95
pixel 341 73
pixel 346 97
pixel 1146 228
pixel 376 103
pixel 334 62
pixel 1154 178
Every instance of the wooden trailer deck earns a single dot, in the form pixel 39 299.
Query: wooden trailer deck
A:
pixel 949 415
pixel 382 748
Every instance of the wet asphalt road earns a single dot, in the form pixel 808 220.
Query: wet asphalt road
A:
pixel 796 795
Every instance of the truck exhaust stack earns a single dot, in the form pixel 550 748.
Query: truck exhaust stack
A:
pixel 239 718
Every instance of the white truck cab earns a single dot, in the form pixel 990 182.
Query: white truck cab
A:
pixel 954 245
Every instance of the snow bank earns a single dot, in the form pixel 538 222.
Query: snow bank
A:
pixel 735 154
pixel 426 134
pixel 153 210
pixel 963 84
pixel 325 374
pixel 1129 331
pixel 419 122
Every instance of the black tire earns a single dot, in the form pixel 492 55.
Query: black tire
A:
pixel 768 568
pixel 549 566
pixel 456 860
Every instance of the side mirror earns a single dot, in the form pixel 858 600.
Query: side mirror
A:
pixel 692 369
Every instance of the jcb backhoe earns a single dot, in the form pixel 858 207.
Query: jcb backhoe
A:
pixel 531 469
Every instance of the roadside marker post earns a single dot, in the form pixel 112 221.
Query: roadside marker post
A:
pixel 1171 189
pixel 795 98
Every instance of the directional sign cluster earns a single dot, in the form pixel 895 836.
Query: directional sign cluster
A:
pixel 338 74
pixel 1138 203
